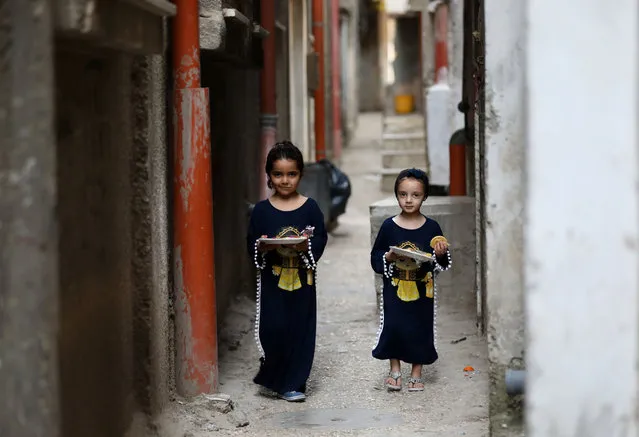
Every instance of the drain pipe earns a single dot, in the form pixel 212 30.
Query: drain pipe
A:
pixel 193 258
pixel 320 103
pixel 335 80
pixel 515 382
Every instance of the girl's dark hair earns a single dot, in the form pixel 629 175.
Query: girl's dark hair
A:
pixel 413 173
pixel 283 150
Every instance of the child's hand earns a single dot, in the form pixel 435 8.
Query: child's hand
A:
pixel 441 248
pixel 391 256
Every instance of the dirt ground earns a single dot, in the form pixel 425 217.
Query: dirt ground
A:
pixel 345 392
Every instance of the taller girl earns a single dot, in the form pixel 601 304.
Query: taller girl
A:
pixel 285 322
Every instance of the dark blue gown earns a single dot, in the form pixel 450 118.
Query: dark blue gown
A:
pixel 286 315
pixel 407 322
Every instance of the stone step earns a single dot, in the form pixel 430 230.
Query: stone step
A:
pixel 404 141
pixel 404 159
pixel 404 123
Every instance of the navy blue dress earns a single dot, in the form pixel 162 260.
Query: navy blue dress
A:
pixel 407 318
pixel 286 316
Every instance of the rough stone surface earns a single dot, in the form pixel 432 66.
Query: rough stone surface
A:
pixel 212 25
pixel 345 376
pixel 151 212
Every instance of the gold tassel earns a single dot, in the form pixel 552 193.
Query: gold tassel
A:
pixel 428 279
pixel 309 277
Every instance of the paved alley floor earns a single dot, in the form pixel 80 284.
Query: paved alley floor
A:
pixel 346 396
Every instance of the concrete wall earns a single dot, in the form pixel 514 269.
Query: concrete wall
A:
pixel 408 78
pixel 113 342
pixel 350 69
pixel 235 137
pixel 456 61
pixel 369 62
pixel 504 199
pixel 28 239
pixel 582 320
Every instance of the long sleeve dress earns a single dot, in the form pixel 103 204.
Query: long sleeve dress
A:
pixel 408 312
pixel 286 314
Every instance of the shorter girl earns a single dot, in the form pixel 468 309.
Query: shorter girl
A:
pixel 407 328
pixel 286 316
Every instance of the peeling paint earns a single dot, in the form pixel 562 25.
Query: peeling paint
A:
pixel 193 142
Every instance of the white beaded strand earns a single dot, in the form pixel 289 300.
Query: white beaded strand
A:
pixel 438 268
pixel 309 262
pixel 258 298
pixel 388 268
pixel 387 273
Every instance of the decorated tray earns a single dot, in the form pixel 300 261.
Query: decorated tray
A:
pixel 283 241
pixel 414 254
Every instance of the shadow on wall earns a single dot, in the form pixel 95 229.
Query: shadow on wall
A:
pixel 235 144
pixel 95 251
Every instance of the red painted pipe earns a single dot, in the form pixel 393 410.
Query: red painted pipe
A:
pixel 457 154
pixel 320 104
pixel 194 266
pixel 335 79
pixel 441 43
pixel 268 101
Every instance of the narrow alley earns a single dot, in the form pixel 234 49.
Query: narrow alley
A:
pixel 346 396
pixel 139 140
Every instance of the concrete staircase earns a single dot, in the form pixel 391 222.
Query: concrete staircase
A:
pixel 403 146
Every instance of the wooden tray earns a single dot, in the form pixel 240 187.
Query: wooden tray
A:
pixel 283 241
pixel 416 255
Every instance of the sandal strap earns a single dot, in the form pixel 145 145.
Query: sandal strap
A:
pixel 415 380
pixel 395 375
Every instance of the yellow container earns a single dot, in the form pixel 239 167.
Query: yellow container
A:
pixel 404 103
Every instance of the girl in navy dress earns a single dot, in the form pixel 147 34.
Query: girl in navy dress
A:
pixel 285 320
pixel 407 320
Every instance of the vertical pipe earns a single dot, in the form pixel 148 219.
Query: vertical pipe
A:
pixel 268 117
pixel 441 43
pixel 457 154
pixel 194 271
pixel 335 76
pixel 320 104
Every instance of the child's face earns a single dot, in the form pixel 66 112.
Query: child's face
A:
pixel 410 195
pixel 285 177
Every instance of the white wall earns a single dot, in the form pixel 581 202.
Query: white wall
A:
pixel 456 61
pixel 504 194
pixel 582 222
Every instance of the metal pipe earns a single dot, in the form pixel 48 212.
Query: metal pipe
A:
pixel 335 80
pixel 193 251
pixel 320 104
pixel 457 160
pixel 441 43
pixel 515 382
pixel 268 87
